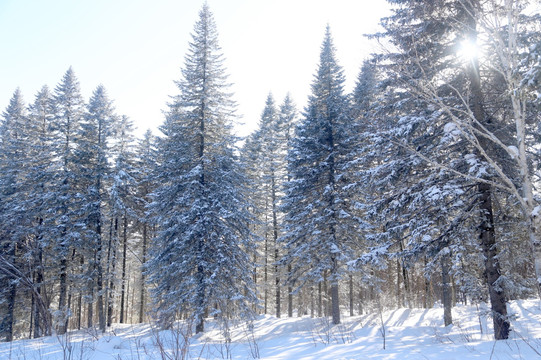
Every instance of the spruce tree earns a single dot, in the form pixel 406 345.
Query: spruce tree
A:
pixel 14 221
pixel 41 174
pixel 199 256
pixel 124 197
pixel 320 220
pixel 287 119
pixel 93 172
pixel 263 156
pixel 145 165
pixel 69 110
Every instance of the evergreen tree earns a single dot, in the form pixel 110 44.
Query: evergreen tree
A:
pixel 93 153
pixel 145 165
pixel 41 174
pixel 364 94
pixel 251 160
pixel 287 118
pixel 124 197
pixel 199 257
pixel 264 158
pixel 69 110
pixel 320 220
pixel 14 221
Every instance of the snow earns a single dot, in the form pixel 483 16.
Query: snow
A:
pixel 513 151
pixel 536 211
pixel 451 132
pixel 451 129
pixel 410 334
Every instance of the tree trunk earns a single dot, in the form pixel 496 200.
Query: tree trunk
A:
pixel 98 255
pixel 312 302
pixel 99 283
pixel 90 312
pixel 398 288
pixel 498 302
pixel 254 276
pixel 111 265
pixel 289 295
pixel 201 307
pixel 335 303
pixel 32 313
pixel 127 297
pixel 144 259
pixel 10 317
pixel 38 280
pixel 69 310
pixel 360 301
pixel 319 300
pixel 275 238
pixel 335 298
pixel 79 310
pixel 200 327
pixel 124 256
pixel 351 295
pixel 446 289
pixel 407 290
pixel 326 296
pixel 63 293
pixel 277 284
pixel 427 300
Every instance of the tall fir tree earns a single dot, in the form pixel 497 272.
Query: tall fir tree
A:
pixel 69 110
pixel 287 120
pixel 41 173
pixel 145 166
pixel 93 154
pixel 14 220
pixel 264 155
pixel 124 198
pixel 321 224
pixel 199 256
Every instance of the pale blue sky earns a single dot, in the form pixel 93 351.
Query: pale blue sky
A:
pixel 136 48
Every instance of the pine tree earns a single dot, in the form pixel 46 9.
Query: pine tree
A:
pixel 264 158
pixel 364 94
pixel 199 257
pixel 93 153
pixel 320 221
pixel 257 162
pixel 14 222
pixel 287 119
pixel 69 112
pixel 250 158
pixel 41 174
pixel 123 197
pixel 145 165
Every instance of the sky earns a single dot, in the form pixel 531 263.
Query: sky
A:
pixel 136 48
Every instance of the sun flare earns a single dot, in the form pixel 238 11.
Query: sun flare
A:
pixel 469 50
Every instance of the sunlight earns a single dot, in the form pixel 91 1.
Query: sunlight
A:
pixel 469 50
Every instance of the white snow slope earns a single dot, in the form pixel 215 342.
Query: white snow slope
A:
pixel 409 334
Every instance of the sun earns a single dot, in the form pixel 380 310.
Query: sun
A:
pixel 469 50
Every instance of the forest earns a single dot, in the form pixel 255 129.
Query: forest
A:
pixel 419 188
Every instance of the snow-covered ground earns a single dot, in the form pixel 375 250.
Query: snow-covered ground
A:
pixel 409 334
